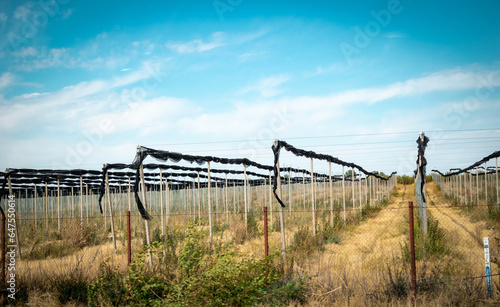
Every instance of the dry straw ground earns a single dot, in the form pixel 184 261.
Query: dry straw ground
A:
pixel 365 268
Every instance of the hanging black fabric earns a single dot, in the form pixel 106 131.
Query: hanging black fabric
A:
pixel 478 164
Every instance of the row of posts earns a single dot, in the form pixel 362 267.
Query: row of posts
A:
pixel 467 187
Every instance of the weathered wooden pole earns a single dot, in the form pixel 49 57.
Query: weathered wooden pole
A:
pixel 313 203
pixel 110 206
pixel 331 190
pixel 496 176
pixel 161 205
pixel 209 202
pixel 486 183
pixel 352 191
pixel 343 190
pixel 145 203
pixel 58 207
pixel 282 222
pixel 245 196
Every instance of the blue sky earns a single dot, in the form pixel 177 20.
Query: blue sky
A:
pixel 84 83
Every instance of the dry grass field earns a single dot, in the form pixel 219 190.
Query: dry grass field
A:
pixel 364 266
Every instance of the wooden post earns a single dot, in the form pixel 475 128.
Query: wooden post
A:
pixel 282 222
pixel 313 203
pixel 331 191
pixel 271 197
pixel 290 192
pixel 366 189
pixel 161 205
pixel 477 186
pixel 226 201
pixel 304 186
pixel 360 195
pixel 58 207
pixel 167 200
pixel 36 205
pixel 266 242
pixel 245 196
pixel 46 207
pixel 87 200
pixel 486 183
pixel 470 187
pixel 352 191
pixel 216 204
pixel 209 202
pixel 129 239
pixel 343 189
pixel 496 176
pixel 199 200
pixel 81 200
pixel 110 206
pixel 144 200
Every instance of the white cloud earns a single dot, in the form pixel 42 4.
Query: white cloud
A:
pixel 197 45
pixel 251 118
pixel 267 87
pixel 145 117
pixel 25 52
pixel 6 79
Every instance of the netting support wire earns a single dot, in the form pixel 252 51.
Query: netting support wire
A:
pixel 144 200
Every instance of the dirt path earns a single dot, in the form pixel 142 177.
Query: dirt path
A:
pixel 465 236
pixel 371 245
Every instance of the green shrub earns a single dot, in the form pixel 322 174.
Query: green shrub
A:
pixel 405 179
pixel 433 245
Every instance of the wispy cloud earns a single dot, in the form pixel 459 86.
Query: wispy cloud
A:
pixel 6 79
pixel 197 45
pixel 322 109
pixel 268 87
